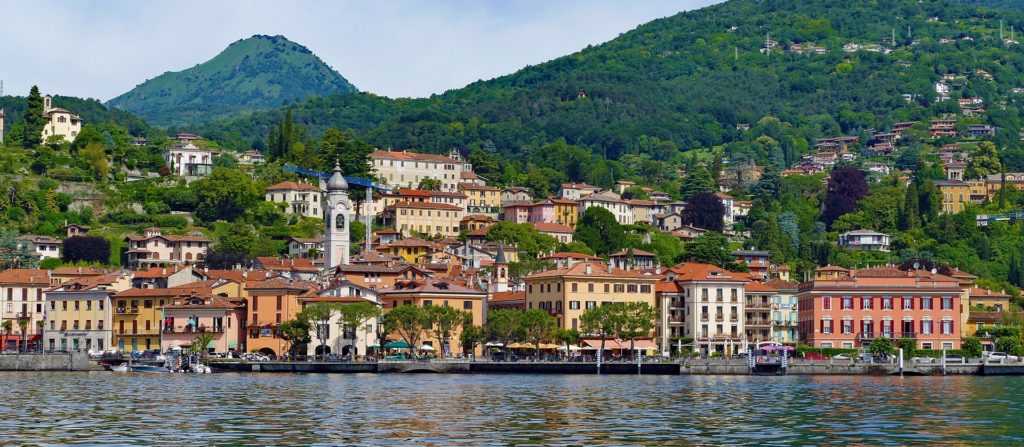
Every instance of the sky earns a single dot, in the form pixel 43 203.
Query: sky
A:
pixel 411 48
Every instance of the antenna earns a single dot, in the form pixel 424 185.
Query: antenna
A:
pixel 735 49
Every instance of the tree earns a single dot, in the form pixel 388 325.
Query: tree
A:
pixel 408 322
pixel 984 161
pixel 8 327
pixel 442 321
pixel 709 248
pixel 638 321
pixel 881 347
pixel 567 336
pixel 599 230
pixel 537 325
pixel 15 253
pixel 86 249
pixel 846 187
pixel 35 121
pixel 23 330
pixel 697 181
pixel 704 210
pixel 604 321
pixel 471 336
pixel 354 316
pixel 429 184
pixel 201 344
pixel 296 333
pixel 95 158
pixel 909 346
pixel 344 148
pixel 769 186
pixel 504 325
pixel 233 245
pixel 1010 345
pixel 319 317
pixel 971 346
pixel 522 235
pixel 225 195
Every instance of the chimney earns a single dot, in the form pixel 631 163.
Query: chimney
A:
pixel 163 271
pixel 589 270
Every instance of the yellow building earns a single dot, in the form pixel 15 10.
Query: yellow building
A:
pixel 481 198
pixel 568 292
pixel 956 194
pixel 411 249
pixel 434 292
pixel 138 313
pixel 78 313
pixel 424 218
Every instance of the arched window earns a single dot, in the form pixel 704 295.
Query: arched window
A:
pixel 339 222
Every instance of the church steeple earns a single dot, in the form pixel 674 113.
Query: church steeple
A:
pixel 337 213
pixel 500 271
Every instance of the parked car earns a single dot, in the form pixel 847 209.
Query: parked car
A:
pixel 999 356
pixel 955 358
pixel 841 357
pixel 95 353
pixel 922 360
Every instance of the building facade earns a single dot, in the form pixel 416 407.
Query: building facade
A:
pixel 406 169
pixel 299 198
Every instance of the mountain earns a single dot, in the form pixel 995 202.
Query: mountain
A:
pixel 260 72
pixel 691 78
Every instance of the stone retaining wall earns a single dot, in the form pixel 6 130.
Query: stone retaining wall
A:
pixel 58 361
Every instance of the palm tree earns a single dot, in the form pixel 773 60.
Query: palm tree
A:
pixel 23 327
pixel 199 345
pixel 7 326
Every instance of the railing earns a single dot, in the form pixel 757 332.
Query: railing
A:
pixel 719 317
pixel 23 315
pixel 753 323
pixel 704 317
pixel 892 335
pixel 758 305
pixel 127 310
pixel 192 330
pixel 734 318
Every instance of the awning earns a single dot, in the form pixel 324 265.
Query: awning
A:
pixel 396 345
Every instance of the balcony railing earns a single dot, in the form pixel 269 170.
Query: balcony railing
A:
pixel 704 317
pixel 193 330
pixel 734 318
pixel 892 335
pixel 127 310
pixel 758 305
pixel 759 323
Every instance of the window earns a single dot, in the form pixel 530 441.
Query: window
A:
pixel 947 345
pixel 590 287
pixel 947 327
pixel 926 345
pixel 826 345
pixel 428 303
pixel 947 303
pixel 847 303
pixel 826 303
pixel 606 288
pixel 926 303
pixel 865 302
pixel 574 287
pixel 646 288
pixel 574 305
pixel 847 345
pixel 826 326
pixel 279 301
pixel 591 304
pixel 908 303
pixel 467 305
pixel 704 294
pixel 847 326
pixel 631 288
pixel 926 327
pixel 718 294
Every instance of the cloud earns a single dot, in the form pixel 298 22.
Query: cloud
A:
pixel 101 49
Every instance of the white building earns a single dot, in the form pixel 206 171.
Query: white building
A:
pixel 704 302
pixel 338 215
pixel 301 247
pixel 43 246
pixel 59 122
pixel 299 198
pixel 621 209
pixel 341 339
pixel 154 248
pixel 188 160
pixel 864 240
pixel 575 191
pixel 406 169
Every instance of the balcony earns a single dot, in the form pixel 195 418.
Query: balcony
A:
pixel 758 305
pixel 734 318
pixel 191 330
pixel 703 317
pixel 719 317
pixel 127 310
pixel 759 323
pixel 890 335
pixel 23 316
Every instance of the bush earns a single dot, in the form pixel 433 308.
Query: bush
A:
pixel 972 346
pixel 50 263
pixel 156 207
pixel 169 221
pixel 86 249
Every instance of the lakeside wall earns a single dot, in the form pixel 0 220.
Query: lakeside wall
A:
pixel 56 361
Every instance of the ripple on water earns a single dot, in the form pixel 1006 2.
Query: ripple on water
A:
pixel 496 410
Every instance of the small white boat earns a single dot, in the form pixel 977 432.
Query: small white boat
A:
pixel 122 368
pixel 149 369
pixel 200 368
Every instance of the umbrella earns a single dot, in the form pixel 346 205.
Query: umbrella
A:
pixel 518 345
pixel 571 348
pixel 549 346
pixel 493 344
pixel 396 345
pixel 427 348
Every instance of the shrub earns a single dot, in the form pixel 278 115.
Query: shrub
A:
pixel 87 249
pixel 972 346
pixel 50 263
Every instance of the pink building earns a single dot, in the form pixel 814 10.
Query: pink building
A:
pixel 190 316
pixel 851 311
pixel 517 212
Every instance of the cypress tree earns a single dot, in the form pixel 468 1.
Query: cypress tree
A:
pixel 34 119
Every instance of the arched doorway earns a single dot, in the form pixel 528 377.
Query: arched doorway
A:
pixel 322 351
pixel 348 350
pixel 269 353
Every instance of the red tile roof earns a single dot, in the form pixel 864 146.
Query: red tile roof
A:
pixel 427 205
pixel 25 276
pixel 597 269
pixel 412 156
pixel 551 227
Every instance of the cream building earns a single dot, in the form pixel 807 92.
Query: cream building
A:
pixel 188 160
pixel 59 122
pixel 568 292
pixel 481 198
pixel 154 248
pixel 424 218
pixel 621 209
pixel 706 303
pixel 343 340
pixel 406 169
pixel 21 297
pixel 79 315
pixel 299 198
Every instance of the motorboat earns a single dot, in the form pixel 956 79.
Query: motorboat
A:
pixel 148 369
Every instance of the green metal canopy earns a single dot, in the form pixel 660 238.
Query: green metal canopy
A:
pixel 396 345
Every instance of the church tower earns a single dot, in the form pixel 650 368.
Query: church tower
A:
pixel 337 212
pixel 500 268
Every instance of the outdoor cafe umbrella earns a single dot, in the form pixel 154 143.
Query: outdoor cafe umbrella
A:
pixel 549 346
pixel 518 345
pixel 571 348
pixel 396 345
pixel 426 348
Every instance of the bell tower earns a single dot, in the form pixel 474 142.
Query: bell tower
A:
pixel 337 214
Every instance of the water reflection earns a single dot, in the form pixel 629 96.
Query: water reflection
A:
pixel 454 410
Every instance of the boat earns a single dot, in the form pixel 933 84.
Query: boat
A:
pixel 200 368
pixel 149 369
pixel 122 368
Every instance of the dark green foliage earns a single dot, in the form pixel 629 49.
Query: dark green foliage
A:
pixel 34 119
pixel 86 249
pixel 260 72
pixel 704 210
pixel 709 248
pixel 846 186
pixel 599 230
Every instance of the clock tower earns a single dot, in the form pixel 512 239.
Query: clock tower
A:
pixel 337 214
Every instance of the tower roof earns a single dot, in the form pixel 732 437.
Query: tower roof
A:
pixel 500 258
pixel 337 181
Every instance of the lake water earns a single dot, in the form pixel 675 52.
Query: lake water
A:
pixel 455 410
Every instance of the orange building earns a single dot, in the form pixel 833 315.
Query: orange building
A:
pixel 435 292
pixel 271 303
pixel 852 311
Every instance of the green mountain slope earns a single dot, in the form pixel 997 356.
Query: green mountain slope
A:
pixel 256 73
pixel 691 78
